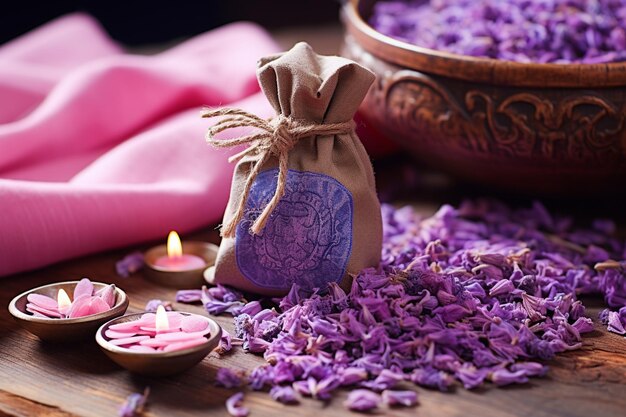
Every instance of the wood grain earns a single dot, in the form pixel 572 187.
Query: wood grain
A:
pixel 56 380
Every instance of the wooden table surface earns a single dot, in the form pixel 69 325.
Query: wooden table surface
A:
pixel 39 379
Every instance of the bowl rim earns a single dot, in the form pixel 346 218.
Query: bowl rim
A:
pixel 477 69
pixel 216 333
pixel 120 306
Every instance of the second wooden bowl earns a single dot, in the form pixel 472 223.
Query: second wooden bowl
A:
pixel 158 363
pixel 64 330
pixel 540 128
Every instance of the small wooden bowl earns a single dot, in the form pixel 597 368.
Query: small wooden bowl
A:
pixel 159 363
pixel 64 330
pixel 192 278
pixel 549 128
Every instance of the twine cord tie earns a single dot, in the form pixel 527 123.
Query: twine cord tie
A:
pixel 276 136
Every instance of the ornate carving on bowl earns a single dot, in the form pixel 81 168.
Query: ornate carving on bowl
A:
pixel 466 124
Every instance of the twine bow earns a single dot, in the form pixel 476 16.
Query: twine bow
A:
pixel 276 136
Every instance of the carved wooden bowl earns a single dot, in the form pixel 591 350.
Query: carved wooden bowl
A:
pixel 545 128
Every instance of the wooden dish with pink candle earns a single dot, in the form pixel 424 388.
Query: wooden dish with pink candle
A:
pixel 179 264
pixel 68 311
pixel 164 343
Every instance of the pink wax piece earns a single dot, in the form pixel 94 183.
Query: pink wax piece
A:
pixel 48 313
pixel 43 301
pixel 155 343
pixel 184 345
pixel 36 314
pixel 183 262
pixel 193 323
pixel 154 329
pixel 107 294
pixel 128 340
pixel 112 334
pixel 80 308
pixel 148 316
pixel 179 337
pixel 83 288
pixel 129 325
pixel 97 305
pixel 141 348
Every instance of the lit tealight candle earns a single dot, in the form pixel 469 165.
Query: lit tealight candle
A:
pixel 176 260
pixel 63 301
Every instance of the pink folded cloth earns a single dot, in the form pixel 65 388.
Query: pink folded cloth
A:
pixel 101 149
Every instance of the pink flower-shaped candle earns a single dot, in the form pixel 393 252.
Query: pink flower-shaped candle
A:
pixel 85 302
pixel 160 332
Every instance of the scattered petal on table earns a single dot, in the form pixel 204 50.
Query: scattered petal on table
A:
pixel 234 406
pixel 134 404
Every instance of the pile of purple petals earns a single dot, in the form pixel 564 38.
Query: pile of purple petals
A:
pixel 475 294
pixel 544 31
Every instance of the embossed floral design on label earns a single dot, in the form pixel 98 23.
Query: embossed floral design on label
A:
pixel 308 238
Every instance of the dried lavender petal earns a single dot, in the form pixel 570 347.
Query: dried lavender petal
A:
pixel 134 404
pixel 189 296
pixel 251 308
pixel 615 324
pixel 403 398
pixel 234 406
pixel 225 344
pixel 152 305
pixel 218 300
pixel 130 264
pixel 284 394
pixel 362 400
pixel 506 377
pixel 228 378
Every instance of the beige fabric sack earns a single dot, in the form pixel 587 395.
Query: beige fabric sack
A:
pixel 324 223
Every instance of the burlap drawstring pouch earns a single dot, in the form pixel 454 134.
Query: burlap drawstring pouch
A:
pixel 303 207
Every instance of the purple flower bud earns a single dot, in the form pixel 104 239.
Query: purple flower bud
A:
pixel 351 375
pixel 284 394
pixel 403 398
pixel 188 296
pixel 615 324
pixel 130 264
pixel 502 287
pixel 506 377
pixel 362 400
pixel 134 404
pixel 228 378
pixel 251 308
pixel 234 406
pixel 225 344
pixel 152 305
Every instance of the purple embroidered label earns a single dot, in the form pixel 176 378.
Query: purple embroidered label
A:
pixel 307 239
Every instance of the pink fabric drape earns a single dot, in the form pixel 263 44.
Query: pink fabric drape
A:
pixel 101 149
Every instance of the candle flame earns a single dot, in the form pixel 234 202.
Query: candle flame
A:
pixel 174 246
pixel 63 299
pixel 161 319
